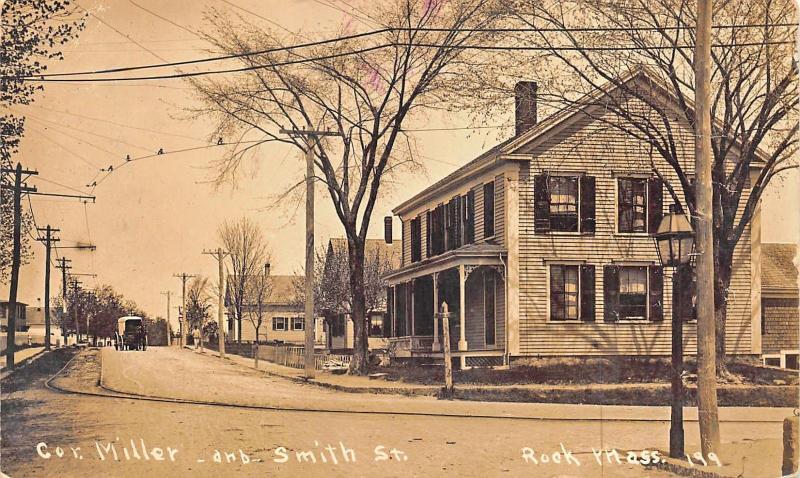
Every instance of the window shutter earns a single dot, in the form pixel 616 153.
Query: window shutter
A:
pixel 428 233
pixel 656 289
pixel 541 204
pixel 587 293
pixel 611 293
pixel 655 206
pixel 587 204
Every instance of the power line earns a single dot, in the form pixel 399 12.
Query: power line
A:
pixel 393 29
pixel 51 79
pixel 165 19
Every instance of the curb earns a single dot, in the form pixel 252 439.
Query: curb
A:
pixel 21 365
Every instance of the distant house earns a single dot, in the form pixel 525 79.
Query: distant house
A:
pixel 282 317
pixel 339 324
pixel 780 317
pixel 543 245
pixel 21 317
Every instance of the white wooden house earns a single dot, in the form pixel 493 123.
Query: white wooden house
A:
pixel 543 246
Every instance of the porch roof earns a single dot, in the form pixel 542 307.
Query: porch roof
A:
pixel 485 254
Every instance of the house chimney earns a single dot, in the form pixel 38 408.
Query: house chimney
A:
pixel 387 229
pixel 266 269
pixel 525 106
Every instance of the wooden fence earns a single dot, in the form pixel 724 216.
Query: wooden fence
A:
pixel 294 356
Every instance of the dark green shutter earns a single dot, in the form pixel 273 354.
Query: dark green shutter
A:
pixel 587 293
pixel 611 293
pixel 656 289
pixel 541 204
pixel 587 204
pixel 655 206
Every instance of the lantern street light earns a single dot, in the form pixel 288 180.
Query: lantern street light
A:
pixel 675 245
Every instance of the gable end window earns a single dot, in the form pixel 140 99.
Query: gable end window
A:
pixel 564 203
pixel 639 205
pixel 572 292
pixel 488 210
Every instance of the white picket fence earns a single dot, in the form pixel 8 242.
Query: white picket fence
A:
pixel 294 356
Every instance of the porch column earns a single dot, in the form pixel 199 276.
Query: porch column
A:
pixel 412 284
pixel 462 314
pixel 435 347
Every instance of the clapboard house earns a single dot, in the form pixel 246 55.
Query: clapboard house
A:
pixel 543 246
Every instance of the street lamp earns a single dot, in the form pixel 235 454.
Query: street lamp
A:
pixel 675 244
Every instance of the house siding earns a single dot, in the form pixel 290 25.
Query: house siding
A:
pixel 596 149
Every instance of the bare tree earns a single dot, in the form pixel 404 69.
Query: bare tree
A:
pixel 247 251
pixel 259 290
pixel 198 304
pixel 363 87
pixel 754 104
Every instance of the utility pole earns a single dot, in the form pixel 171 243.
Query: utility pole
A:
pixel 220 255
pixel 706 336
pixel 75 284
pixel 184 326
pixel 17 189
pixel 48 239
pixel 63 266
pixel 311 138
pixel 168 293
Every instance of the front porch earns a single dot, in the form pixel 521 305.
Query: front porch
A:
pixel 471 280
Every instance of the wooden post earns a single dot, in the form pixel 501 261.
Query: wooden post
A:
pixel 255 353
pixel 704 242
pixel 791 447
pixel 448 360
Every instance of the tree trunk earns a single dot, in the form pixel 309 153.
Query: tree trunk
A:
pixel 238 324
pixel 257 327
pixel 723 263
pixel 360 363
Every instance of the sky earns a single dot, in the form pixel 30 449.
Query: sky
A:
pixel 154 217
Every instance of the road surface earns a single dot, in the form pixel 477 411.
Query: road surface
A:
pixel 157 438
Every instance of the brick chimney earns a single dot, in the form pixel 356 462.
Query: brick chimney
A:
pixel 525 106
pixel 387 229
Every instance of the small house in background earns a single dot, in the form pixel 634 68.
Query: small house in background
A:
pixel 780 316
pixel 283 318
pixel 21 322
pixel 381 257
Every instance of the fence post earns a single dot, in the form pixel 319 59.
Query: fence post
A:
pixel 447 392
pixel 255 353
pixel 791 445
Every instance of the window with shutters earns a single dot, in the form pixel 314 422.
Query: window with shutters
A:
pixel 632 205
pixel 563 203
pixel 572 292
pixel 375 325
pixel 436 231
pixel 488 210
pixel 298 323
pixel 416 239
pixel 632 293
pixel 279 323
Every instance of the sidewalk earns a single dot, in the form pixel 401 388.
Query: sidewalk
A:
pixel 20 356
pixel 355 384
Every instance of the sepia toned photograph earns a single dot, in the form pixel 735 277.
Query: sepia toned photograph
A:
pixel 399 238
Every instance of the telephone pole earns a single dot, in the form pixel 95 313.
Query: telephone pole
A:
pixel 311 138
pixel 63 266
pixel 48 239
pixel 184 326
pixel 219 255
pixel 168 293
pixel 706 336
pixel 75 284
pixel 18 188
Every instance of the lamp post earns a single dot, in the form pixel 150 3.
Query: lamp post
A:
pixel 675 243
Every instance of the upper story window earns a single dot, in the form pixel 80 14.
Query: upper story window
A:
pixel 416 239
pixel 632 205
pixel 639 205
pixel 298 323
pixel 633 293
pixel 453 224
pixel 488 210
pixel 564 203
pixel 279 323
pixel 435 240
pixel 468 209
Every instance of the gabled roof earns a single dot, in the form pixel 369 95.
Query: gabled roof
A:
pixel 372 247
pixel 778 269
pixel 283 289
pixel 515 143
